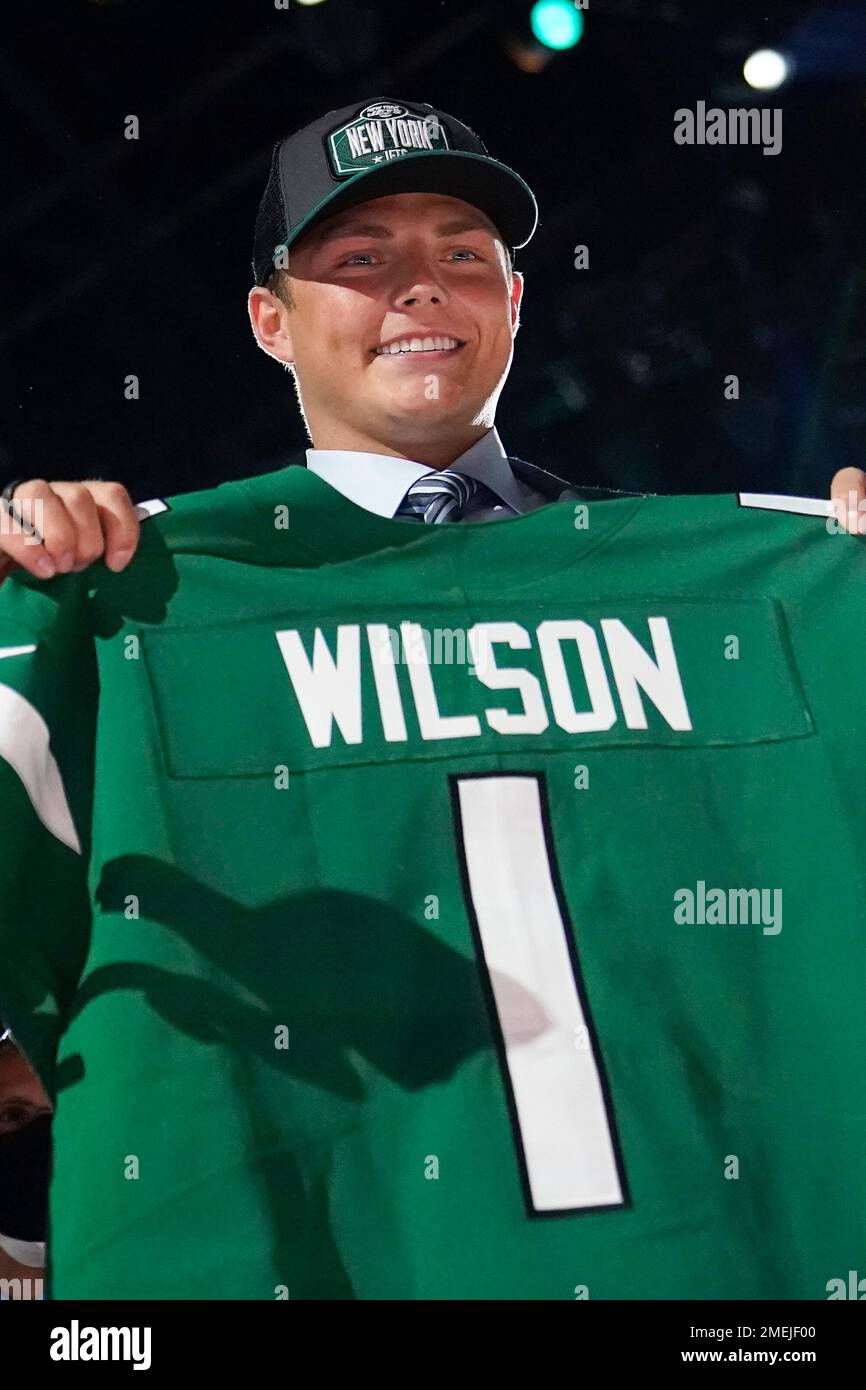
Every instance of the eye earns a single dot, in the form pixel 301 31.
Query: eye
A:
pixel 353 259
pixel 14 1117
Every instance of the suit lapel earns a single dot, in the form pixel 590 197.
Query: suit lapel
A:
pixel 559 489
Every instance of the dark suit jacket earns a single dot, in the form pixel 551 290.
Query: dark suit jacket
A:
pixel 560 489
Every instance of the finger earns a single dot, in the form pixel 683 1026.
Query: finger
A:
pixel 120 526
pixel 53 548
pixel 848 492
pixel 84 513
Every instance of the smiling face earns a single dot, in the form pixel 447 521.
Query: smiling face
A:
pixel 422 271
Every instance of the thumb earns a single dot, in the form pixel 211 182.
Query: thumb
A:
pixel 848 491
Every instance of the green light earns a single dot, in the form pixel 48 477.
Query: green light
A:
pixel 556 23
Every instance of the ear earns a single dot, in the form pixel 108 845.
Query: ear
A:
pixel 516 300
pixel 270 321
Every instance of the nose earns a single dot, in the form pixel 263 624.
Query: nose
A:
pixel 421 280
pixel 421 294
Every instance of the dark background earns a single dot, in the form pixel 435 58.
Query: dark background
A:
pixel 133 257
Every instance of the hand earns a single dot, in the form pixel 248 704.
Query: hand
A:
pixel 78 523
pixel 848 491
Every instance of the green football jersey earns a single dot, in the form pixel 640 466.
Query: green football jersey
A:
pixel 450 912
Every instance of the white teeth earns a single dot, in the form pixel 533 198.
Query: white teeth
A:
pixel 418 345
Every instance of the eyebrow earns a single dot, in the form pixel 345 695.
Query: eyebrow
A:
pixel 377 229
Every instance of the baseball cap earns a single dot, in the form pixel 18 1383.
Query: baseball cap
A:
pixel 374 148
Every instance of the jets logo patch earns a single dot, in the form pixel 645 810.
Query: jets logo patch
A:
pixel 380 133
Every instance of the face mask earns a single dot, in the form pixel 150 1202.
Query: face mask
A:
pixel 25 1168
pixel 27 1252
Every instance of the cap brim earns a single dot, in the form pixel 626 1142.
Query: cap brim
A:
pixel 475 178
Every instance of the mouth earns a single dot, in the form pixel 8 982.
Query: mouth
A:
pixel 442 345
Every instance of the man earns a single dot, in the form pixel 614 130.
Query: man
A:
pixel 427 910
pixel 25 1113
pixel 361 446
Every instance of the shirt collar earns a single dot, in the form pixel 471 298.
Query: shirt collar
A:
pixel 379 482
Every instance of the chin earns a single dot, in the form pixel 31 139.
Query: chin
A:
pixel 434 398
pixel 425 423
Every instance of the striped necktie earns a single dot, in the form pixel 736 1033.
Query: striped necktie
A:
pixel 441 495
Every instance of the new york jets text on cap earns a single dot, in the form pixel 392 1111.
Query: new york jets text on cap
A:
pixel 375 148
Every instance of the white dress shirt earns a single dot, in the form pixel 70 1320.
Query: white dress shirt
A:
pixel 379 482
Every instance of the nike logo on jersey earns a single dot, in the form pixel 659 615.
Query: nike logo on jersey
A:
pixel 328 687
pixel 16 651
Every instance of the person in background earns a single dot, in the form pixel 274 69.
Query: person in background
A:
pixel 25 1160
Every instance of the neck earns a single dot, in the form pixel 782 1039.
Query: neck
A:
pixel 437 453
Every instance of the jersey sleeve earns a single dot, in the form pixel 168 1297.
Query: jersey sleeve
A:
pixel 48 705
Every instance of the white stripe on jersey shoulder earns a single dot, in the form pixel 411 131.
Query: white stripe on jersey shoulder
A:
pixel 775 502
pixel 25 746
pixel 17 651
pixel 152 508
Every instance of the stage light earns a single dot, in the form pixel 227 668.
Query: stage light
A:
pixel 557 24
pixel 766 69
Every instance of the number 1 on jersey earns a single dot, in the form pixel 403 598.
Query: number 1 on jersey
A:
pixel 561 1114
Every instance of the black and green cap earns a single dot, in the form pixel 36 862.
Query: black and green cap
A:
pixel 375 148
